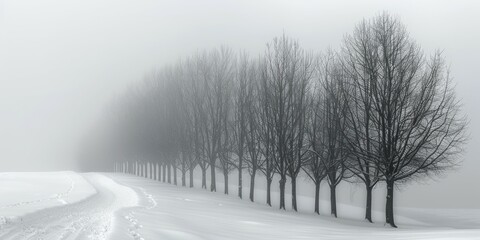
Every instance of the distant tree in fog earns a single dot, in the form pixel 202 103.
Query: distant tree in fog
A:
pixel 239 123
pixel 266 128
pixel 330 145
pixel 216 69
pixel 287 75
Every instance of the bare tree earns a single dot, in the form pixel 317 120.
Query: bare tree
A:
pixel 194 67
pixel 253 129
pixel 301 81
pixel 287 74
pixel 333 105
pixel 240 115
pixel 418 129
pixel 216 69
pixel 266 128
pixel 360 61
pixel 226 145
pixel 315 166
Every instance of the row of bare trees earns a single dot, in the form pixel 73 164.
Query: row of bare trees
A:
pixel 376 110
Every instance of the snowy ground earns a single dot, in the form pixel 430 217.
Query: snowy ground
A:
pixel 118 206
pixel 23 193
pixel 89 216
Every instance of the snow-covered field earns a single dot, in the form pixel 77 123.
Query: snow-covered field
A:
pixel 68 205
pixel 23 193
pixel 86 209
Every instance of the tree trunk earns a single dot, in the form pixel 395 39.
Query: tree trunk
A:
pixel 269 186
pixel 368 208
pixel 213 185
pixel 225 177
pixel 184 171
pixel 389 207
pixel 240 167
pixel 153 174
pixel 174 169
pixel 147 170
pixel 169 173
pixel 145 167
pixel 137 170
pixel 317 197
pixel 151 171
pixel 204 178
pixel 144 170
pixel 252 186
pixel 191 177
pixel 333 200
pixel 282 193
pixel 164 173
pixel 184 178
pixel 294 192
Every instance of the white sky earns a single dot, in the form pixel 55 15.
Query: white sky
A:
pixel 61 61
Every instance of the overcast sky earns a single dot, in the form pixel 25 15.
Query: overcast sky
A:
pixel 61 62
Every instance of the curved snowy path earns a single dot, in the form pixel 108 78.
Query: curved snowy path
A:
pixel 88 219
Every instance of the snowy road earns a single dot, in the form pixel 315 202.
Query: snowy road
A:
pixel 88 219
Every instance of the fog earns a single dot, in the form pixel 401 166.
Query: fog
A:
pixel 62 62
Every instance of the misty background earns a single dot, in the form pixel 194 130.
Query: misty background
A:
pixel 62 63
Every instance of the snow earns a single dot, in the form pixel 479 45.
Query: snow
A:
pixel 121 206
pixel 184 213
pixel 26 192
pixel 89 216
